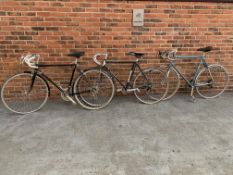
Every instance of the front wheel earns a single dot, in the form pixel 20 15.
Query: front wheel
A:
pixel 94 89
pixel 151 86
pixel 211 82
pixel 174 83
pixel 20 97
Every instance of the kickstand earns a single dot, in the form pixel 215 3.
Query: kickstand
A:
pixel 192 96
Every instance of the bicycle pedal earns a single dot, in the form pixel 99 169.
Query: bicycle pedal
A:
pixel 132 90
pixel 71 99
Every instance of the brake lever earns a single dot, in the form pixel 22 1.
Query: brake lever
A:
pixel 22 59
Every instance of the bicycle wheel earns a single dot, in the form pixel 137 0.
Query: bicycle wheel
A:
pixel 94 89
pixel 151 85
pixel 174 83
pixel 19 98
pixel 212 81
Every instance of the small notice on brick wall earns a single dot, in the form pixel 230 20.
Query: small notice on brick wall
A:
pixel 138 17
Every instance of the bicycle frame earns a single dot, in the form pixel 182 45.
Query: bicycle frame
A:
pixel 135 65
pixel 37 72
pixel 202 62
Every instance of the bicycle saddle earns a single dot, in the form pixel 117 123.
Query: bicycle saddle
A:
pixel 76 54
pixel 205 49
pixel 135 54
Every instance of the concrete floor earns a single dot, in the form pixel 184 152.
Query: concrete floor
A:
pixel 175 137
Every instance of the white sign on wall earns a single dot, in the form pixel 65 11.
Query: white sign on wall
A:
pixel 138 17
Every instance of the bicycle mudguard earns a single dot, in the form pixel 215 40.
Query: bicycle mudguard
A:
pixel 42 79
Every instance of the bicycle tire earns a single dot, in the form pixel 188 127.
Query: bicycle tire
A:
pixel 17 99
pixel 205 77
pixel 95 99
pixel 144 92
pixel 174 83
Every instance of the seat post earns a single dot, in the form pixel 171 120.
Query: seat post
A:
pixel 76 61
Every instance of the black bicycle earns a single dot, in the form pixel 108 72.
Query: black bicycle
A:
pixel 28 92
pixel 149 86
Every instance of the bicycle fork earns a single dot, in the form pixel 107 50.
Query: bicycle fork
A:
pixel 34 73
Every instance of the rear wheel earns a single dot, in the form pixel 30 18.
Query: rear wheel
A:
pixel 18 97
pixel 151 86
pixel 212 81
pixel 94 89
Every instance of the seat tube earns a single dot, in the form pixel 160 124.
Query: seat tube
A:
pixel 131 73
pixel 203 61
pixel 72 76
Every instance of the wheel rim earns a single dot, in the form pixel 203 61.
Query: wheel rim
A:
pixel 96 89
pixel 17 98
pixel 153 91
pixel 174 83
pixel 211 88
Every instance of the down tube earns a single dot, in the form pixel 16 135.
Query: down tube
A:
pixel 184 78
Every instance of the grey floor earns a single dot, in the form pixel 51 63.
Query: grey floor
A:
pixel 175 137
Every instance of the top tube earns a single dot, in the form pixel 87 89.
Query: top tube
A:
pixel 190 56
pixel 122 61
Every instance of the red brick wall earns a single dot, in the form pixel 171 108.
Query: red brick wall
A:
pixel 54 28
